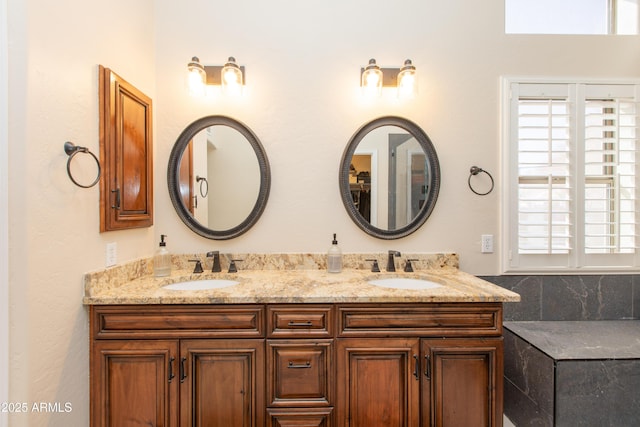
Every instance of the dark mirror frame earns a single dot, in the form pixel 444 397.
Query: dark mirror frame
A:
pixel 434 179
pixel 173 171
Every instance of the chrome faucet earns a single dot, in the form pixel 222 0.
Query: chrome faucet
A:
pixel 391 264
pixel 216 261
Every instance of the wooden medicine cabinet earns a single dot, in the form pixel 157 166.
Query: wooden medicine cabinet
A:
pixel 126 152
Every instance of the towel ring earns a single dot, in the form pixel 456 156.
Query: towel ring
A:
pixel 475 170
pixel 71 149
pixel 203 180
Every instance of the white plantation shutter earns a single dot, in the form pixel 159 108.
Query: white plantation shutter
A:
pixel 544 197
pixel 573 176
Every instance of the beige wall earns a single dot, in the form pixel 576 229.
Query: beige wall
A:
pixel 303 61
pixel 302 101
pixel 54 52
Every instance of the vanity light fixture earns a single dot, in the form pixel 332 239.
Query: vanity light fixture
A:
pixel 404 79
pixel 230 77
pixel 407 80
pixel 197 77
pixel 371 79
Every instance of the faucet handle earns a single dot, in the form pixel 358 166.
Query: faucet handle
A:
pixel 408 267
pixel 374 267
pixel 232 266
pixel 198 267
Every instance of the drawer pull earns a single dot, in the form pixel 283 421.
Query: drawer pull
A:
pixel 300 324
pixel 416 367
pixel 303 365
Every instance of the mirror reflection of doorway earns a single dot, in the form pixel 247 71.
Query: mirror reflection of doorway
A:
pixel 186 179
pixel 363 181
pixel 407 180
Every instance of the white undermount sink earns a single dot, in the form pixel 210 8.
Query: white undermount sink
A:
pixel 200 285
pixel 404 283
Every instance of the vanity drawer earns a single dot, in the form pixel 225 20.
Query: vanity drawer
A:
pixel 423 320
pixel 300 321
pixel 299 417
pixel 299 373
pixel 181 321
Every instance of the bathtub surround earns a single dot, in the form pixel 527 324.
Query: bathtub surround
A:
pixel 572 297
pixel 571 350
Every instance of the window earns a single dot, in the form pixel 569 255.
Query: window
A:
pixel 572 177
pixel 571 16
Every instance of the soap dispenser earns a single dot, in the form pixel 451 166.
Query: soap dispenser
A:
pixel 162 259
pixel 334 257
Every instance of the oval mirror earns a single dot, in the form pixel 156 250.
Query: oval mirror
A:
pixel 389 177
pixel 218 177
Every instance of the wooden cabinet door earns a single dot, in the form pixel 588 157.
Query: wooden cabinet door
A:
pixel 134 383
pixel 222 383
pixel 126 153
pixel 462 384
pixel 377 382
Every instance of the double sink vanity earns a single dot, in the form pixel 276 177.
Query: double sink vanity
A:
pixel 282 343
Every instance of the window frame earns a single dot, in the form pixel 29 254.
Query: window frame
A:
pixel 611 23
pixel 576 261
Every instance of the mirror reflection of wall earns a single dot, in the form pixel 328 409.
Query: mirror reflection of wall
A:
pixel 221 155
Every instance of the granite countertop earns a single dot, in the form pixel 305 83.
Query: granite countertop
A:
pixel 307 283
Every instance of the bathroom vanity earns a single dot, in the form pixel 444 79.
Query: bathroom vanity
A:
pixel 297 348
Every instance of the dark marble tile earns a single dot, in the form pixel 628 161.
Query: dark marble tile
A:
pixel 601 297
pixel 521 410
pixel 530 370
pixel 530 290
pixel 598 393
pixel 561 340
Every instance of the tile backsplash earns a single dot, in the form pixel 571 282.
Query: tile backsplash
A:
pixel 572 297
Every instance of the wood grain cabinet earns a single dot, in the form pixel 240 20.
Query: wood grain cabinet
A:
pixel 297 365
pixel 419 365
pixel 134 383
pixel 164 375
pixel 300 369
pixel 126 153
pixel 419 382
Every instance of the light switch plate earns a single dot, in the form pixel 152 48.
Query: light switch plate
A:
pixel 111 254
pixel 486 243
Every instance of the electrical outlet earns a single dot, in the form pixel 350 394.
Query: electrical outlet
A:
pixel 486 243
pixel 112 254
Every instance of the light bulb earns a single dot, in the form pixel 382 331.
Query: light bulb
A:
pixel 372 79
pixel 407 82
pixel 231 77
pixel 196 77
